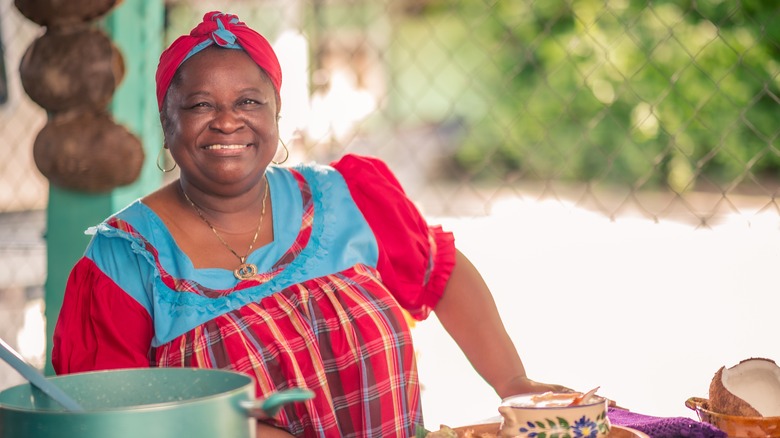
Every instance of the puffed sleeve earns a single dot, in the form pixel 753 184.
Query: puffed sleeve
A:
pixel 415 258
pixel 99 326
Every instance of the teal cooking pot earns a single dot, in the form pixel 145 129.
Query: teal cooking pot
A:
pixel 137 403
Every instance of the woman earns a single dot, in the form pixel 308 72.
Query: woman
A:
pixel 298 276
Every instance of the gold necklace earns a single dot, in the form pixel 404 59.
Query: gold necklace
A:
pixel 245 270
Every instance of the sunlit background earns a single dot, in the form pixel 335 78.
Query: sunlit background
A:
pixel 610 167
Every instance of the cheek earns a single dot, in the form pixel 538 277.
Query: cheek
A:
pixel 179 127
pixel 267 125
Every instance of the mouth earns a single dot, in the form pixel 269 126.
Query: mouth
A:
pixel 219 147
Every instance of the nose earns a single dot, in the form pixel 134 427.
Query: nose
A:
pixel 227 120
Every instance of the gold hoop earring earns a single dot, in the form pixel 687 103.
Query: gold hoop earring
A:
pixel 159 166
pixel 286 153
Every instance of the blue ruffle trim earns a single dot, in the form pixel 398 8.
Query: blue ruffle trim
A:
pixel 176 312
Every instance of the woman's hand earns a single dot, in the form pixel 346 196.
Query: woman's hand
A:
pixel 524 385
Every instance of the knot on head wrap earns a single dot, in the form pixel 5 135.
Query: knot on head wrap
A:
pixel 225 30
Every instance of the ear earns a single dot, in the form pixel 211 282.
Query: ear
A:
pixel 164 124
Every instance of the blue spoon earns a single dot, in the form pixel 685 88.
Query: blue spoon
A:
pixel 37 379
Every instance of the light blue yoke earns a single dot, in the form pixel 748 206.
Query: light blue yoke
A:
pixel 340 239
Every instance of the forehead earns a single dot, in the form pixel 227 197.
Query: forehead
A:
pixel 217 60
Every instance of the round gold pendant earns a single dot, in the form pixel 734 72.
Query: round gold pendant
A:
pixel 245 271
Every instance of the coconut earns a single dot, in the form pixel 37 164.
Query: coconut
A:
pixel 61 13
pixel 750 388
pixel 87 151
pixel 64 69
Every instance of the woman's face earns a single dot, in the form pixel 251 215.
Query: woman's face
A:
pixel 220 121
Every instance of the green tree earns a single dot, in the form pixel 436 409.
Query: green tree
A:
pixel 669 93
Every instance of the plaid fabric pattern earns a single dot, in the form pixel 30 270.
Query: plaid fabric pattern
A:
pixel 342 335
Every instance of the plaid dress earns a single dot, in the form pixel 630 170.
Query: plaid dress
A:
pixel 325 312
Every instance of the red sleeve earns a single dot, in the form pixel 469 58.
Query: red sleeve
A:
pixel 99 326
pixel 415 259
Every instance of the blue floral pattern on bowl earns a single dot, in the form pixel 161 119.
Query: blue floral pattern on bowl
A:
pixel 551 415
pixel 560 428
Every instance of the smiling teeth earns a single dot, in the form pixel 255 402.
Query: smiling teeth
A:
pixel 226 146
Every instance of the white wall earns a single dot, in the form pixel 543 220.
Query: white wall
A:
pixel 646 311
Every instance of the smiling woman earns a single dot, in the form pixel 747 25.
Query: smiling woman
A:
pixel 220 125
pixel 338 257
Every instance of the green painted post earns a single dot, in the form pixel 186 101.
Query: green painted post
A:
pixel 68 214
pixel 137 28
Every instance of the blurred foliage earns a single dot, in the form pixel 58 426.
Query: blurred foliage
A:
pixel 676 93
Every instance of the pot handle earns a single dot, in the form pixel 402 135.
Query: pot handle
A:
pixel 695 403
pixel 269 406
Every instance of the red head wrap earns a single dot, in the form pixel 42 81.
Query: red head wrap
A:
pixel 224 30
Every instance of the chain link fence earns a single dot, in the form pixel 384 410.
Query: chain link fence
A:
pixel 23 194
pixel 22 188
pixel 663 110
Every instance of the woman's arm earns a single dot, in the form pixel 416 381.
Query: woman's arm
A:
pixel 469 314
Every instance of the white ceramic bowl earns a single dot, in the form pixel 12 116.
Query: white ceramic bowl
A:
pixel 550 414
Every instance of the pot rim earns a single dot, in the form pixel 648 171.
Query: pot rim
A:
pixel 173 404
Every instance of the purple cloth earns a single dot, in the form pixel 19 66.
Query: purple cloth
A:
pixel 662 427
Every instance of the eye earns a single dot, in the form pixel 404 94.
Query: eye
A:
pixel 250 102
pixel 195 106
